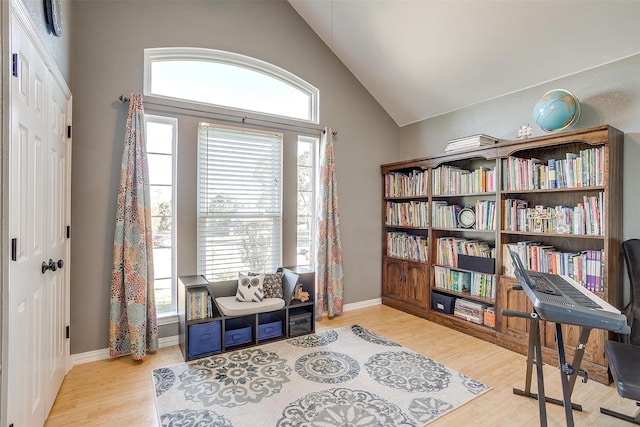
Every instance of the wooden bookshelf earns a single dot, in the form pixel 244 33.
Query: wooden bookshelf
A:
pixel 588 172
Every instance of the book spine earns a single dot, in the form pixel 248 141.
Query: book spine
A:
pixel 552 173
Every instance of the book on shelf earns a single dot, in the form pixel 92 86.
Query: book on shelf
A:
pixel 469 310
pixel 482 285
pixel 408 214
pixel 445 215
pixel 405 184
pixel 585 267
pixel 200 305
pixel 585 218
pixel 454 180
pixel 477 284
pixel 407 246
pixel 490 317
pixel 470 142
pixel 575 170
pixel 448 249
pixel 485 215
pixel 451 279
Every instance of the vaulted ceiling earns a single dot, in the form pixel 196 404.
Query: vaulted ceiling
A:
pixel 423 58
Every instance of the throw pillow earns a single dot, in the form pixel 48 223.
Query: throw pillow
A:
pixel 250 288
pixel 272 284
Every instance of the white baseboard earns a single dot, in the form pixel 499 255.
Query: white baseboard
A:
pixel 103 354
pixel 362 304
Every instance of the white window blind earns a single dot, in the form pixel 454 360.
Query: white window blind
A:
pixel 239 201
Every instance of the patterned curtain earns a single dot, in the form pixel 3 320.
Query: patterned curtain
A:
pixel 133 327
pixel 329 246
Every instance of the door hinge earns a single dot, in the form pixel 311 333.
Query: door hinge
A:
pixel 14 64
pixel 68 231
pixel 69 131
pixel 68 332
pixel 14 249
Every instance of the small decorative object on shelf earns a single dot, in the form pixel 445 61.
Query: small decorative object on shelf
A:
pixel 524 131
pixel 299 294
pixel 466 217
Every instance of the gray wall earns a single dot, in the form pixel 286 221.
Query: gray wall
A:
pixel 609 95
pixel 58 47
pixel 109 38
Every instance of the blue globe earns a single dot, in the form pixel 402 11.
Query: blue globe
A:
pixel 557 109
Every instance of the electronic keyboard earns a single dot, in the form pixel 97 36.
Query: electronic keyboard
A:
pixel 561 299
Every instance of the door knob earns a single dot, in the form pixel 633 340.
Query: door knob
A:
pixel 51 266
pixel 60 263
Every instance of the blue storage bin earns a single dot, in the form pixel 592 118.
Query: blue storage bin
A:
pixel 269 326
pixel 236 331
pixel 299 322
pixel 204 338
pixel 443 303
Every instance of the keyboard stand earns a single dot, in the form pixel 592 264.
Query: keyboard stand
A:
pixel 568 373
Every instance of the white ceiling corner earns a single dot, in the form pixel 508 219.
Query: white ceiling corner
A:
pixel 423 58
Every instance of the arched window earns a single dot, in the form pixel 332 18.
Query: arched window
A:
pixel 229 80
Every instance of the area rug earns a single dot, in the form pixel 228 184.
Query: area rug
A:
pixel 338 377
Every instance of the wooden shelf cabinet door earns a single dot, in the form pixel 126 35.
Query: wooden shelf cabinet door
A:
pixel 509 297
pixel 392 274
pixel 406 281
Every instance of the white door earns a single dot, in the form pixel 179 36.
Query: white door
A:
pixel 38 196
pixel 56 221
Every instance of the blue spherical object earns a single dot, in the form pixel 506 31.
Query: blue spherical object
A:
pixel 558 109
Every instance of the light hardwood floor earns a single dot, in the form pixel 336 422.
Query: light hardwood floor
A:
pixel 119 392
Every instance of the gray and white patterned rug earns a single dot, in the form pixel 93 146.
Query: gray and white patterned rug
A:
pixel 339 377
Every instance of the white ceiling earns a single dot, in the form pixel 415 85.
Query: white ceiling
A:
pixel 423 58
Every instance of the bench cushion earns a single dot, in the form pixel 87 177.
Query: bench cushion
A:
pixel 624 362
pixel 230 307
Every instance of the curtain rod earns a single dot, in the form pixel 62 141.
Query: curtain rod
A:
pixel 124 99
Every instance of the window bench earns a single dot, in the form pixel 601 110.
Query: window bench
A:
pixel 235 324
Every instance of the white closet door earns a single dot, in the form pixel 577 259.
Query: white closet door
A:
pixel 37 216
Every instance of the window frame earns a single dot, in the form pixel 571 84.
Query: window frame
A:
pixel 152 55
pixel 173 121
pixel 314 142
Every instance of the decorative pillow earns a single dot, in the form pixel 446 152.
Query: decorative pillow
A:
pixel 250 288
pixel 272 284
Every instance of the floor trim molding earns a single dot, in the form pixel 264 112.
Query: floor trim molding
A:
pixel 103 353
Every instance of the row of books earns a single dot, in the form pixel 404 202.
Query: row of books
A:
pixel 199 305
pixel 448 278
pixel 446 216
pixel 408 214
pixel 477 284
pixel 585 169
pixel 485 215
pixel 448 249
pixel 483 285
pixel 407 246
pixel 455 180
pixel 471 311
pixel 585 267
pixel 584 219
pixel 409 184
